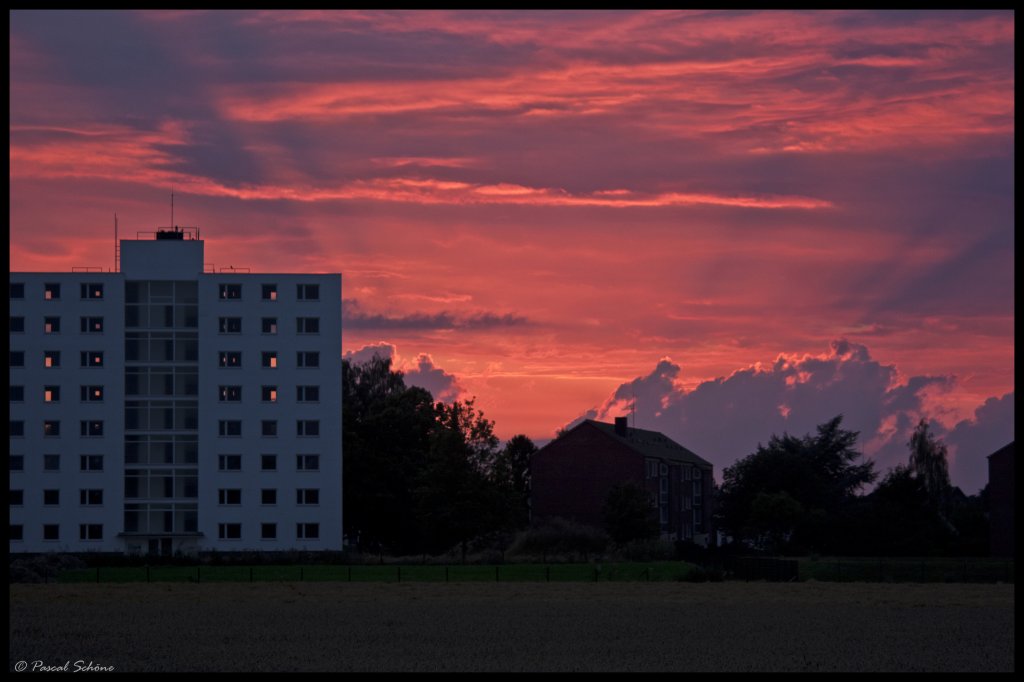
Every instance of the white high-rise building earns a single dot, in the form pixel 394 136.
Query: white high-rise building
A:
pixel 164 408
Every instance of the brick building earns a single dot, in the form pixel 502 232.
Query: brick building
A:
pixel 573 474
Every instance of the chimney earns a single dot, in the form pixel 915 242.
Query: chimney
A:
pixel 620 427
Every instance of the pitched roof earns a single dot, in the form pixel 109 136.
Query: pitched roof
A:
pixel 651 444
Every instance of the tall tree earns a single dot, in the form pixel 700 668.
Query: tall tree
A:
pixel 928 463
pixel 511 472
pixel 821 473
pixel 628 514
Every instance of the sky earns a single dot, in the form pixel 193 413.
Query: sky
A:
pixel 729 224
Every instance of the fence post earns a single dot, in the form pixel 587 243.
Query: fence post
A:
pixel 97 574
pixel 547 573
pixel 399 574
pixel 147 573
pixel 446 574
pixel 497 578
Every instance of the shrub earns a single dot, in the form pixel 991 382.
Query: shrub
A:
pixel 560 536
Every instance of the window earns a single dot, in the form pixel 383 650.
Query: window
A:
pixel 268 427
pixel 18 358
pixel 91 462
pixel 16 462
pixel 17 428
pixel 698 520
pixel 92 358
pixel 308 394
pixel 51 462
pixel 269 325
pixel 308 359
pixel 307 496
pixel 229 427
pixel 269 292
pixel 268 462
pixel 90 531
pixel 307 325
pixel 307 427
pixel 51 394
pixel 229 496
pixel 229 394
pixel 229 531
pixel 307 531
pixel 229 462
pixel 17 532
pixel 697 492
pixel 268 496
pixel 17 290
pixel 51 498
pixel 51 428
pixel 91 393
pixel 51 325
pixel 269 359
pixel 51 291
pixel 308 292
pixel 687 473
pixel 17 324
pixel 51 531
pixel 17 497
pixel 268 531
pixel 307 462
pixel 229 325
pixel 268 394
pixel 91 325
pixel 92 428
pixel 230 292
pixel 90 498
pixel 17 394
pixel 91 291
pixel 229 358
pixel 51 358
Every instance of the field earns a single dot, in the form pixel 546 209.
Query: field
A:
pixel 477 626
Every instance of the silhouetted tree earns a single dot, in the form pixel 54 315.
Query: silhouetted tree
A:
pixel 628 514
pixel 821 473
pixel 511 471
pixel 928 463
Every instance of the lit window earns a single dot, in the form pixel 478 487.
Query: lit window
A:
pixel 91 393
pixel 91 358
pixel 91 291
pixel 269 292
pixel 229 393
pixel 91 325
pixel 51 291
pixel 230 292
pixel 269 325
pixel 270 359
pixel 51 394
pixel 51 325
pixel 51 358
pixel 269 394
pixel 226 358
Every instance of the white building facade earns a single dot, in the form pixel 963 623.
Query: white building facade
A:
pixel 164 409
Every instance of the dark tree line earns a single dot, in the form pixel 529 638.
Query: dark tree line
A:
pixel 423 476
pixel 799 495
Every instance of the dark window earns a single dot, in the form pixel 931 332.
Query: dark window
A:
pixel 307 496
pixel 17 532
pixel 229 393
pixel 229 462
pixel 229 531
pixel 91 462
pixel 91 325
pixel 51 531
pixel 91 393
pixel 229 496
pixel 16 462
pixel 269 292
pixel 51 394
pixel 51 497
pixel 308 394
pixel 269 325
pixel 91 428
pixel 51 325
pixel 51 428
pixel 268 531
pixel 268 394
pixel 17 428
pixel 230 291
pixel 230 427
pixel 17 290
pixel 307 427
pixel 308 292
pixel 91 291
pixel 230 325
pixel 90 497
pixel 90 531
pixel 17 394
pixel 17 497
pixel 229 358
pixel 307 462
pixel 17 358
pixel 17 324
pixel 307 325
pixel 307 531
pixel 92 358
pixel 268 496
pixel 51 291
pixel 268 427
pixel 268 462
pixel 51 462
pixel 308 359
pixel 269 359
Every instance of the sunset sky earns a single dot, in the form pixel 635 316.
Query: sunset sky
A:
pixel 750 221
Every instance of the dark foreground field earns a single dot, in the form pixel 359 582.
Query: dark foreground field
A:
pixel 515 626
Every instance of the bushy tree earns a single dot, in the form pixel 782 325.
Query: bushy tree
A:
pixel 628 514
pixel 821 473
